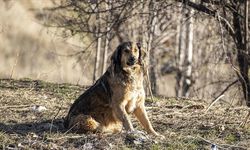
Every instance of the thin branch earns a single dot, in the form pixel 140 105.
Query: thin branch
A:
pixel 214 101
pixel 14 106
pixel 199 7
pixel 14 66
pixel 210 142
pixel 77 53
pixel 222 92
pixel 220 95
pixel 202 8
pixel 222 146
pixel 68 137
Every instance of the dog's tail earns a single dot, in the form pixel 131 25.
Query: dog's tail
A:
pixel 66 122
pixel 82 123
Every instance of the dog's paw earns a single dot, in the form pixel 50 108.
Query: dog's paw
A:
pixel 136 137
pixel 162 137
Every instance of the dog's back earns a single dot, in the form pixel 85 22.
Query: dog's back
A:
pixel 93 102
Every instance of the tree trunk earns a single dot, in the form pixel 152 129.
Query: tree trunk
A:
pixel 151 52
pixel 184 54
pixel 180 53
pixel 187 81
pixel 242 56
pixel 98 45
pixel 247 51
pixel 142 26
pixel 236 33
pixel 104 65
pixel 107 38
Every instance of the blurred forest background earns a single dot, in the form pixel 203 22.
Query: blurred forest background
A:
pixel 197 48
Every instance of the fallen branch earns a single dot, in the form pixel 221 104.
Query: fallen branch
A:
pixel 217 99
pixel 231 84
pixel 221 95
pixel 68 137
pixel 212 143
pixel 222 146
pixel 14 106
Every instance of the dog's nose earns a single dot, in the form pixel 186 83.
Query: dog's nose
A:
pixel 132 59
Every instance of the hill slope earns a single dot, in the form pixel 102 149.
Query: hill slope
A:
pixel 31 118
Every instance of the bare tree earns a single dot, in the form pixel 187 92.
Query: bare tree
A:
pixel 151 24
pixel 180 53
pixel 230 16
pixel 107 36
pixel 187 82
pixel 98 45
pixel 247 50
pixel 184 53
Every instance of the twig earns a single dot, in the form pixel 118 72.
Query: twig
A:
pixel 68 137
pixel 14 106
pixel 231 84
pixel 220 145
pixel 52 121
pixel 233 147
pixel 210 142
pixel 152 107
pixel 217 99
pixel 221 95
pixel 14 66
pixel 77 53
pixel 245 120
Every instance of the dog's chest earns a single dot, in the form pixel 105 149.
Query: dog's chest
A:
pixel 133 97
pixel 134 94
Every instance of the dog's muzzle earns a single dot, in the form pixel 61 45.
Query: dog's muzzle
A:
pixel 131 61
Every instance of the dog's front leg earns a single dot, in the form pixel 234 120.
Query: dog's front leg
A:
pixel 122 115
pixel 142 116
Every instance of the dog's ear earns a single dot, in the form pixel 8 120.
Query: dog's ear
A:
pixel 116 59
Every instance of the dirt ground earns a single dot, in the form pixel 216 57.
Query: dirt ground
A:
pixel 32 111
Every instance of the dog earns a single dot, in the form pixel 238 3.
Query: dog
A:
pixel 105 106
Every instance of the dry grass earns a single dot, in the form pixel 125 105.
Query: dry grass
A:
pixel 183 122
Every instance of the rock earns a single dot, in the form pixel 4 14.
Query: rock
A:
pixel 136 137
pixel 38 109
pixel 87 146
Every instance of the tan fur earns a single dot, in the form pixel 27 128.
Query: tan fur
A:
pixel 105 106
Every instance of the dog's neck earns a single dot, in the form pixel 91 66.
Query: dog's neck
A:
pixel 127 75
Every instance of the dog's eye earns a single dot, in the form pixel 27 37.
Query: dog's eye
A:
pixel 127 50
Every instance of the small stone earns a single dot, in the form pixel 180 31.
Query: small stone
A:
pixel 39 109
pixel 87 146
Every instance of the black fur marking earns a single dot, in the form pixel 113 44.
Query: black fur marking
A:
pixel 116 59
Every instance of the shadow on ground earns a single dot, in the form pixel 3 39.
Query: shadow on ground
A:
pixel 50 126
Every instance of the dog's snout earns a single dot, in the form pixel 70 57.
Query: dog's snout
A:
pixel 132 59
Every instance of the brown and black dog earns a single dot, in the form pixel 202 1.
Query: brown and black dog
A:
pixel 105 106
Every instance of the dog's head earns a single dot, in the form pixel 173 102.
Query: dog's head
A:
pixel 128 55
